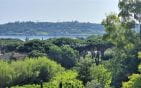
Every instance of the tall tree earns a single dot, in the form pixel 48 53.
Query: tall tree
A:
pixel 130 10
pixel 118 33
pixel 101 75
pixel 83 68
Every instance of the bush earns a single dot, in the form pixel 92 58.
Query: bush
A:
pixel 8 45
pixel 28 71
pixel 83 68
pixel 32 45
pixel 101 75
pixel 36 54
pixel 134 82
pixel 64 55
pixel 6 74
pixel 65 79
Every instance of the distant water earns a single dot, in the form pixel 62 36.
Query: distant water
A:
pixel 41 37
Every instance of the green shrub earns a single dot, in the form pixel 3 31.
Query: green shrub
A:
pixel 134 82
pixel 28 71
pixel 6 74
pixel 101 75
pixel 64 55
pixel 67 79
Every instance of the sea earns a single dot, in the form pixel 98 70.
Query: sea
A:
pixel 22 37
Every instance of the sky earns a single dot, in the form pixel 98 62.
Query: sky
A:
pixel 56 10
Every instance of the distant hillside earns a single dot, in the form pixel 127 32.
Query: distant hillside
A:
pixel 50 28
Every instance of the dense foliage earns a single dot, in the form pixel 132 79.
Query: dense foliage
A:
pixel 112 60
pixel 28 71
pixel 9 44
pixel 62 80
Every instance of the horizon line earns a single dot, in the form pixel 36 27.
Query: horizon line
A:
pixel 24 21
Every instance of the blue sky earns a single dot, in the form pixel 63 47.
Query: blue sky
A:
pixel 56 10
